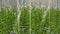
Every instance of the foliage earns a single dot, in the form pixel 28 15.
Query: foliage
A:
pixel 8 21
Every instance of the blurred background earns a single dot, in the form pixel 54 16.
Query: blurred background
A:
pixel 39 3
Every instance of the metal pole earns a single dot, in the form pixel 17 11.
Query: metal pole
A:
pixel 57 4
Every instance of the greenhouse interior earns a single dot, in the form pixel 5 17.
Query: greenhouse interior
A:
pixel 29 16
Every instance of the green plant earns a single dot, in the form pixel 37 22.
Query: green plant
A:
pixel 8 21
